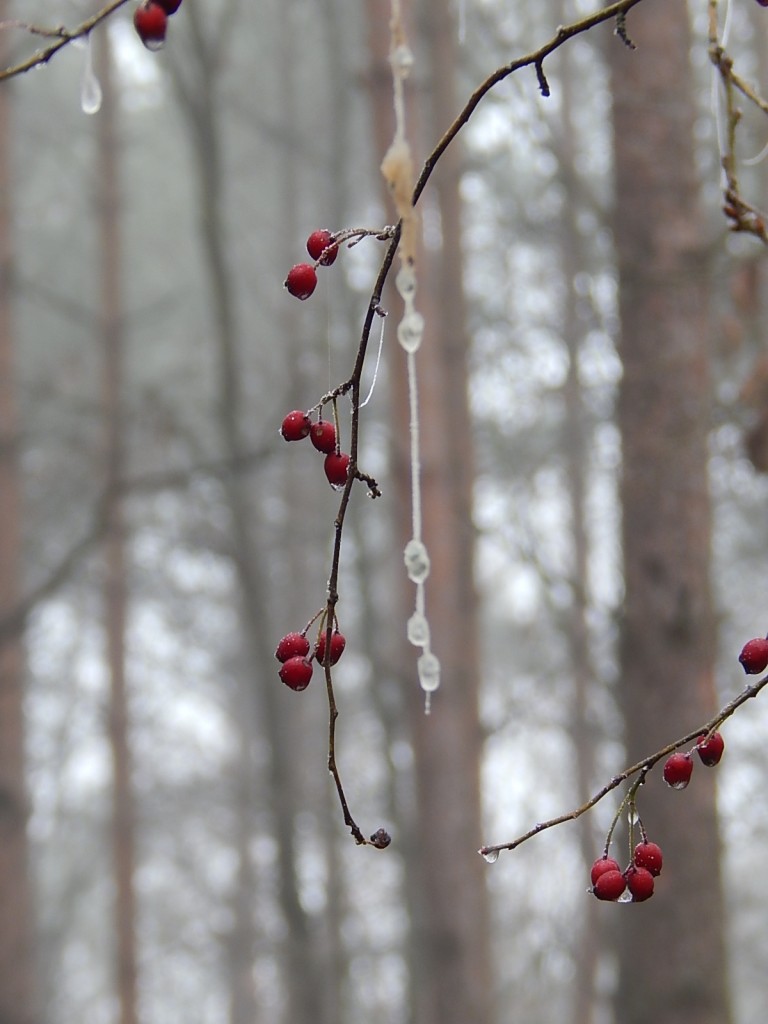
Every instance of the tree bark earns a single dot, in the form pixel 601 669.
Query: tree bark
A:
pixel 451 918
pixel 670 971
pixel 17 981
pixel 115 583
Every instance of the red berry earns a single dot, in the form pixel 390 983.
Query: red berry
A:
pixel 338 643
pixel 640 884
pixel 711 750
pixel 677 770
pixel 293 645
pixel 317 242
pixel 169 6
pixel 296 673
pixel 648 856
pixel 150 21
pixel 763 3
pixel 602 865
pixel 301 280
pixel 610 885
pixel 754 654
pixel 323 436
pixel 336 468
pixel 296 425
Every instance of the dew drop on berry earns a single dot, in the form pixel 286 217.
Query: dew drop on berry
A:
pixel 410 331
pixel 626 897
pixel 405 282
pixel 490 856
pixel 416 561
pixel 417 630
pixel 428 667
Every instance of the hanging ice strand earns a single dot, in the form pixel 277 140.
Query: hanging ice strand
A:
pixel 397 168
pixel 90 89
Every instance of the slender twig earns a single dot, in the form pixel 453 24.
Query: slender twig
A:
pixel 642 767
pixel 62 37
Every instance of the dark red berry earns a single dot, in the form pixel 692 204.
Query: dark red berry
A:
pixel 602 865
pixel 610 885
pixel 763 3
pixel 301 280
pixel 640 884
pixel 336 468
pixel 338 643
pixel 150 21
pixel 296 425
pixel 754 654
pixel 677 770
pixel 293 645
pixel 296 673
pixel 323 436
pixel 648 856
pixel 319 241
pixel 169 6
pixel 710 750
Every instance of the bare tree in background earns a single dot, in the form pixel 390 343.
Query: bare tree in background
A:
pixel 17 981
pixel 672 950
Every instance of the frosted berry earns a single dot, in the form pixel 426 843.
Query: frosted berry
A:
pixel 677 770
pixel 640 884
pixel 296 673
pixel 296 425
pixel 610 885
pixel 301 280
pixel 319 241
pixel 602 865
pixel 292 645
pixel 754 656
pixel 150 21
pixel 323 436
pixel 648 856
pixel 336 468
pixel 710 750
pixel 338 643
pixel 169 6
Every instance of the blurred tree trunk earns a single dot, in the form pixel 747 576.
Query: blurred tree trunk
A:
pixel 672 962
pixel 115 582
pixel 451 915
pixel 17 981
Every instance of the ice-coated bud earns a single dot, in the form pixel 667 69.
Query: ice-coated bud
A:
pixel 416 561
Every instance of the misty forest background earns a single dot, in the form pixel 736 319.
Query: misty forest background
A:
pixel 594 396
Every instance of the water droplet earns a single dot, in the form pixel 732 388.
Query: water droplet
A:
pixel 632 816
pixel 416 561
pixel 626 897
pixel 405 282
pixel 154 44
pixel 491 856
pixel 418 630
pixel 410 331
pixel 428 667
pixel 90 88
pixel 678 785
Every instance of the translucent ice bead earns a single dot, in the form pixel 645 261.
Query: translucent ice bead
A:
pixel 405 282
pixel 402 59
pixel 428 667
pixel 410 331
pixel 418 630
pixel 416 561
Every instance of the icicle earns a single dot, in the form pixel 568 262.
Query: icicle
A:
pixel 90 88
pixel 397 168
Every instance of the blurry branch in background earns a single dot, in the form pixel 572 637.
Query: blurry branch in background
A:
pixel 61 37
pixel 743 216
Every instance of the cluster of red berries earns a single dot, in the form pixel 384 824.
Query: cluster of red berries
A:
pixel 297 425
pixel 678 767
pixel 297 662
pixel 610 883
pixel 302 278
pixel 151 21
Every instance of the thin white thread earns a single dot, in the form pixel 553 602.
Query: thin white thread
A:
pixel 376 367
pixel 413 402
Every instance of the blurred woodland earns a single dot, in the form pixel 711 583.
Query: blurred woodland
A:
pixel 593 392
